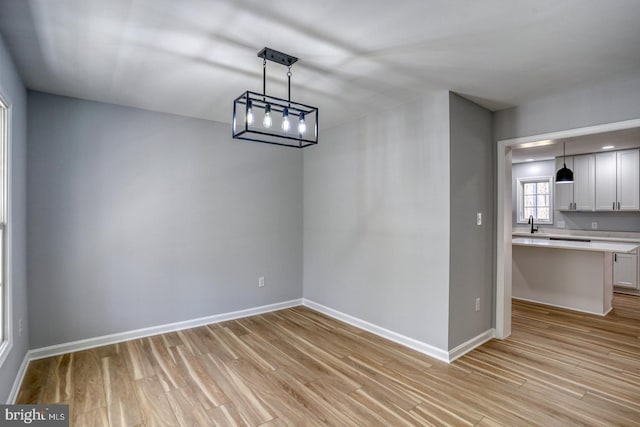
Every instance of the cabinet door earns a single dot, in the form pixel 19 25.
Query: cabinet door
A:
pixel 628 163
pixel 584 187
pixel 605 181
pixel 625 270
pixel 564 192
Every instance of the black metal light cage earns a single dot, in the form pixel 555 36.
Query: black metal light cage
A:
pixel 301 120
pixel 274 135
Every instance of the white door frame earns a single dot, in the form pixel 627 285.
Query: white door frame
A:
pixel 504 209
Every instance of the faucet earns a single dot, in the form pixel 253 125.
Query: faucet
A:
pixel 533 230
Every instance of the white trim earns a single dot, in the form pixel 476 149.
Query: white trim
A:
pixel 13 394
pixel 7 253
pixel 503 229
pixel 564 307
pixel 570 133
pixel 420 346
pixel 469 345
pixel 5 349
pixel 57 349
pixel 503 243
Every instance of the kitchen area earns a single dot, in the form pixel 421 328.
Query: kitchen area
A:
pixel 576 220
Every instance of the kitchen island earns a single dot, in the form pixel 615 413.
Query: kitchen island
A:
pixel 567 273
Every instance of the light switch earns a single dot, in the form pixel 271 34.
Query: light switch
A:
pixel 479 218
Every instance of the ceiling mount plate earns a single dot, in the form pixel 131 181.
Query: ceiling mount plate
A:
pixel 275 56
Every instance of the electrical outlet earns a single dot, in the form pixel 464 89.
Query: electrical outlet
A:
pixel 260 281
pixel 594 225
pixel 19 327
pixel 477 304
pixel 560 224
pixel 479 218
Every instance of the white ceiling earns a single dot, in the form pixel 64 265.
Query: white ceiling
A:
pixel 193 57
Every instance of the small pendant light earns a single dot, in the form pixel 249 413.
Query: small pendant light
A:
pixel 564 175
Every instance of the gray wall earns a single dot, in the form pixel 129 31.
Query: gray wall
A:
pixel 471 257
pixel 605 103
pixel 607 221
pixel 139 219
pixel 13 92
pixel 376 220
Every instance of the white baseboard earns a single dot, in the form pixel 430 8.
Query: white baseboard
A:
pixel 562 306
pixel 17 382
pixel 474 342
pixel 420 346
pixel 85 344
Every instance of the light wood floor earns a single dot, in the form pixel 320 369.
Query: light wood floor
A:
pixel 298 367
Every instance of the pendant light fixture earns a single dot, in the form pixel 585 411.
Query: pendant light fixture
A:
pixel 262 118
pixel 564 174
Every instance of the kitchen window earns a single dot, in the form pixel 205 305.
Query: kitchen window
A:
pixel 535 198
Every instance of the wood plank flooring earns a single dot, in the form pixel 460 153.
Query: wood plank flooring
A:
pixel 299 367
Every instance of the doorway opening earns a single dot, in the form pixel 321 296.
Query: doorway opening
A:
pixel 504 209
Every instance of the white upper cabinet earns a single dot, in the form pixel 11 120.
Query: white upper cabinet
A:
pixel 605 181
pixel 617 180
pixel 628 190
pixel 564 192
pixel 579 196
pixel 584 187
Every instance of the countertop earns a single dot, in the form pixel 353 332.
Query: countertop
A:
pixel 596 245
pixel 545 233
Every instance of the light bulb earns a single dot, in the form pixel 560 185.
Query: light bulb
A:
pixel 249 113
pixel 286 125
pixel 266 121
pixel 302 127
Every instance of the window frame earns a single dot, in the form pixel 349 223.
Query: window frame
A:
pixel 6 327
pixel 520 198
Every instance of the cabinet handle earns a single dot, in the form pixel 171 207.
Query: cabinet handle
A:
pixel 615 257
pixel 618 205
pixel 614 206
